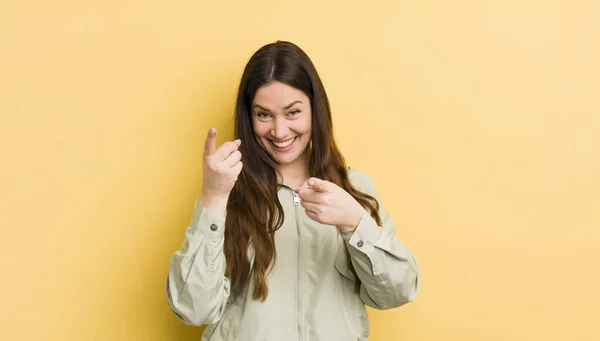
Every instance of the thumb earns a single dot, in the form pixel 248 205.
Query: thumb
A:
pixel 317 184
pixel 210 145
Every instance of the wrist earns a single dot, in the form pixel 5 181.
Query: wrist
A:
pixel 347 229
pixel 214 203
pixel 346 232
pixel 352 224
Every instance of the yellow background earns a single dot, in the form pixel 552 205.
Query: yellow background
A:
pixel 478 120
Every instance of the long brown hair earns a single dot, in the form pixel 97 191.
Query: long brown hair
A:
pixel 254 212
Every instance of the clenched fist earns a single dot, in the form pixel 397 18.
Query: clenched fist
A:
pixel 221 168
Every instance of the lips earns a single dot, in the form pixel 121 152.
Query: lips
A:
pixel 284 144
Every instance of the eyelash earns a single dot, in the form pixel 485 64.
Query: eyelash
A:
pixel 291 113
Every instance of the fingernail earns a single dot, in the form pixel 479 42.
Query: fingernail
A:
pixel 311 182
pixel 212 131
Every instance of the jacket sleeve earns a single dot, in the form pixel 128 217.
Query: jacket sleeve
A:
pixel 197 289
pixel 388 271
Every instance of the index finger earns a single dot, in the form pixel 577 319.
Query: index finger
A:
pixel 317 184
pixel 308 194
pixel 210 145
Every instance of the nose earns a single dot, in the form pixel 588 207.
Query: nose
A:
pixel 280 128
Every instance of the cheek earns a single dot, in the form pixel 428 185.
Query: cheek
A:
pixel 307 127
pixel 259 129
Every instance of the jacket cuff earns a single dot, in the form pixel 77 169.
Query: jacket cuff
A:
pixel 208 223
pixel 366 234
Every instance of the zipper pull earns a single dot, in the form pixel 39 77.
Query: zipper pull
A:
pixel 296 199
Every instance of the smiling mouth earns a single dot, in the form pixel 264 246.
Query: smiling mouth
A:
pixel 284 143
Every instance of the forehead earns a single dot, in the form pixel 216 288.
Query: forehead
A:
pixel 277 95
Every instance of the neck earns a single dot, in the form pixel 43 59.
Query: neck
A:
pixel 296 173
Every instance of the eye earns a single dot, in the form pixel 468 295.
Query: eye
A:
pixel 294 112
pixel 262 115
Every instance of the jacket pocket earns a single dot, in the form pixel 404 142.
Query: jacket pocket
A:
pixel 342 264
pixel 354 312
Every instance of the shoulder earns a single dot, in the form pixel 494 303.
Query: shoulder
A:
pixel 360 180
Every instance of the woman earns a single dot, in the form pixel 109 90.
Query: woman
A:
pixel 286 242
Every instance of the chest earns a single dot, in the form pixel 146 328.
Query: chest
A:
pixel 302 238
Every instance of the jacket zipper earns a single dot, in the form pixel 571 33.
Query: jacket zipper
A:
pixel 296 207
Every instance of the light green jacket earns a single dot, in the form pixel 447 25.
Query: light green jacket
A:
pixel 312 293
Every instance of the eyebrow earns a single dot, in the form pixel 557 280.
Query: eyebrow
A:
pixel 286 107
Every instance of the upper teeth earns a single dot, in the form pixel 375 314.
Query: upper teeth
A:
pixel 284 143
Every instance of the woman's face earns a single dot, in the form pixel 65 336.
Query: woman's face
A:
pixel 281 116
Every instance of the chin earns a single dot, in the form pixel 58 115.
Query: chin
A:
pixel 284 160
